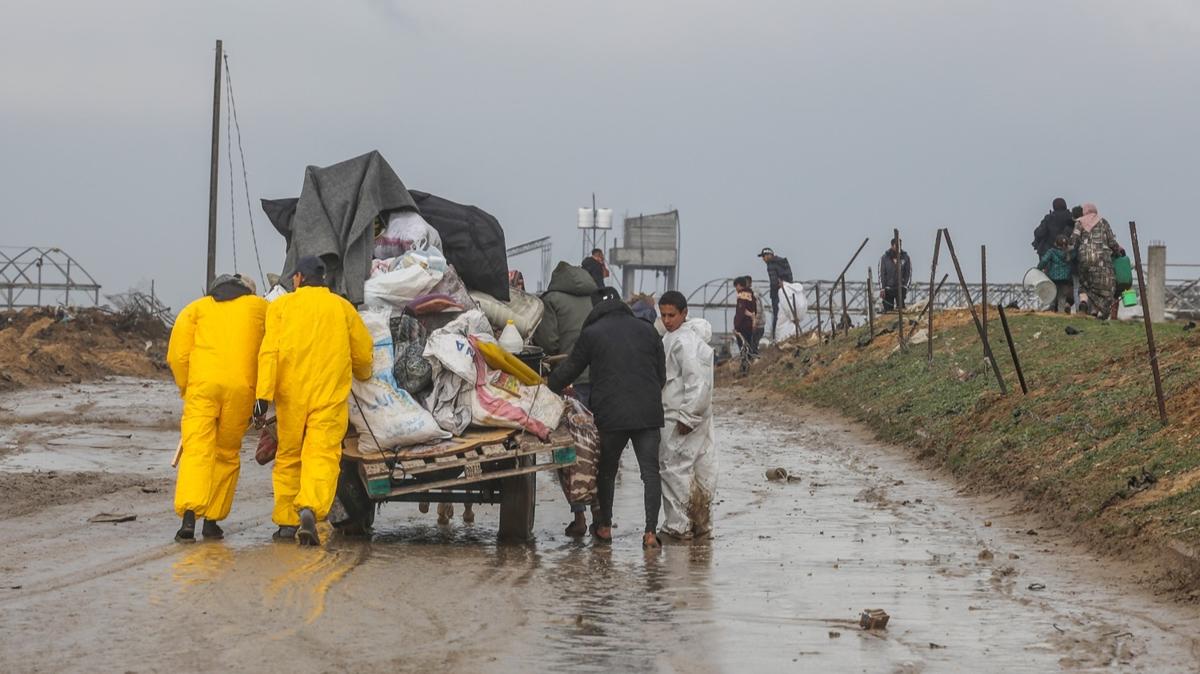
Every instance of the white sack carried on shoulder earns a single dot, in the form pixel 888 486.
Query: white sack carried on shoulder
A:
pixel 793 307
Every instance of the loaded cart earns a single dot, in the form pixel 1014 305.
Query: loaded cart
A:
pixel 483 466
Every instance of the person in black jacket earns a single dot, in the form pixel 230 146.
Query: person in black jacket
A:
pixel 628 370
pixel 594 264
pixel 893 274
pixel 778 273
pixel 1057 222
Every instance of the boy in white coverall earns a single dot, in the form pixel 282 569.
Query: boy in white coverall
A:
pixel 688 455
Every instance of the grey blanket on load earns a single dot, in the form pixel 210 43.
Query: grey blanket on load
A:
pixel 334 216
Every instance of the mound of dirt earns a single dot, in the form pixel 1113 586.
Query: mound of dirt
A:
pixel 47 345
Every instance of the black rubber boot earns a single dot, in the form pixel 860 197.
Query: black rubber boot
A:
pixel 284 534
pixel 211 530
pixel 307 533
pixel 187 529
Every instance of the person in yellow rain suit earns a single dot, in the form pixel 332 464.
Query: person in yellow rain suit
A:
pixel 314 341
pixel 213 354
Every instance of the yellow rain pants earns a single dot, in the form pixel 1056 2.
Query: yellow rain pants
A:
pixel 314 342
pixel 213 356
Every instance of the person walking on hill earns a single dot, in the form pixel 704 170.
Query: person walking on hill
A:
pixel 594 265
pixel 624 355
pixel 895 273
pixel 778 273
pixel 568 302
pixel 1058 222
pixel 1096 246
pixel 688 458
pixel 314 342
pixel 213 354
pixel 1056 262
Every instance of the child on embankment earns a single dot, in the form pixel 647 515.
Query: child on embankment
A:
pixel 1056 262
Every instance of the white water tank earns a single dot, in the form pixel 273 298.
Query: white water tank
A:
pixel 604 218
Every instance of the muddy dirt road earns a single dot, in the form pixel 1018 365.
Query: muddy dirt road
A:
pixel 777 589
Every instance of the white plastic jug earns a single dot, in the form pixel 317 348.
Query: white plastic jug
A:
pixel 1041 285
pixel 510 339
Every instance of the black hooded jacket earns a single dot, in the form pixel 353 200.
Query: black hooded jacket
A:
pixel 1054 224
pixel 628 368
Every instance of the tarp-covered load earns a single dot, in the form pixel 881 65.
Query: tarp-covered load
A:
pixel 334 219
pixel 472 241
pixel 337 211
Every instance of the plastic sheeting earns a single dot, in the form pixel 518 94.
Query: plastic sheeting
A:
pixel 793 307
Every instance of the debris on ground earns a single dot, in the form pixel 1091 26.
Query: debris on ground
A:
pixel 986 555
pixel 1070 330
pixel 834 635
pixel 113 518
pixel 781 474
pixel 1037 586
pixel 874 619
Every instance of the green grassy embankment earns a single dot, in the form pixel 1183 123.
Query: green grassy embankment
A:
pixel 1083 441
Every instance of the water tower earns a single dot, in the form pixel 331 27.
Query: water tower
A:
pixel 651 244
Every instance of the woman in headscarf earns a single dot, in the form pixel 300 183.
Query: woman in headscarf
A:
pixel 1096 246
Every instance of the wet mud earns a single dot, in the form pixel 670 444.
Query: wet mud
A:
pixel 970 584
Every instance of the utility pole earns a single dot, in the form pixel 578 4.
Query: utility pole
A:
pixel 212 172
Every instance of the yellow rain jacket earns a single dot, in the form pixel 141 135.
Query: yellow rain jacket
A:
pixel 213 354
pixel 314 342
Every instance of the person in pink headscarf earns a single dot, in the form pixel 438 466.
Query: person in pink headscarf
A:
pixel 1096 246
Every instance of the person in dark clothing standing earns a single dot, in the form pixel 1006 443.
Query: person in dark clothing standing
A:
pixel 594 264
pixel 891 271
pixel 745 316
pixel 778 273
pixel 1058 222
pixel 628 370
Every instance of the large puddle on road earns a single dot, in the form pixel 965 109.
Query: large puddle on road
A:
pixel 780 587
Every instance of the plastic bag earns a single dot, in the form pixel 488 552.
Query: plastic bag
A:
pixel 578 482
pixel 523 309
pixel 533 408
pixel 384 415
pixel 405 231
pixel 793 307
pixel 400 286
pixel 411 371
pixel 452 286
pixel 452 357
pixel 378 324
pixel 387 417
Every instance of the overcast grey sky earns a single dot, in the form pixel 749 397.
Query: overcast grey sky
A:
pixel 803 125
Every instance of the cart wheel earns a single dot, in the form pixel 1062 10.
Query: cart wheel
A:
pixel 357 512
pixel 518 498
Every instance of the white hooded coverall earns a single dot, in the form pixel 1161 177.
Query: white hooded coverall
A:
pixel 688 463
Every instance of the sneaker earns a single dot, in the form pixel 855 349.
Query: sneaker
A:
pixel 211 530
pixel 284 534
pixel 307 533
pixel 187 529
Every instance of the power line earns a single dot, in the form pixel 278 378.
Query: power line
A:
pixel 245 178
